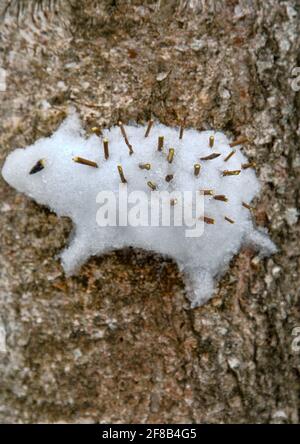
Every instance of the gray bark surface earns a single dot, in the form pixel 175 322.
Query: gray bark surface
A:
pixel 118 341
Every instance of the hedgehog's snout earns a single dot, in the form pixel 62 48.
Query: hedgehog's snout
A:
pixel 11 169
pixel 19 166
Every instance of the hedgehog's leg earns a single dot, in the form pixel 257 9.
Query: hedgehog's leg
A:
pixel 260 241
pixel 75 254
pixel 200 286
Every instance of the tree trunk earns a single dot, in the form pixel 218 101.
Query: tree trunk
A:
pixel 118 341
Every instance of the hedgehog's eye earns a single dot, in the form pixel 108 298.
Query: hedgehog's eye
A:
pixel 39 166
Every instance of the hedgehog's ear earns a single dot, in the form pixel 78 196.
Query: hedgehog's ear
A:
pixel 71 125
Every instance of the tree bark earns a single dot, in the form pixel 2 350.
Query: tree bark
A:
pixel 118 341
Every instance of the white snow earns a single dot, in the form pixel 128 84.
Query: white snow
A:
pixel 70 189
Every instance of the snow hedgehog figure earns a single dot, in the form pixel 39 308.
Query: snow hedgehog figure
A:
pixel 67 171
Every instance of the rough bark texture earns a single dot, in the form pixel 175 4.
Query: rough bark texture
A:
pixel 118 342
